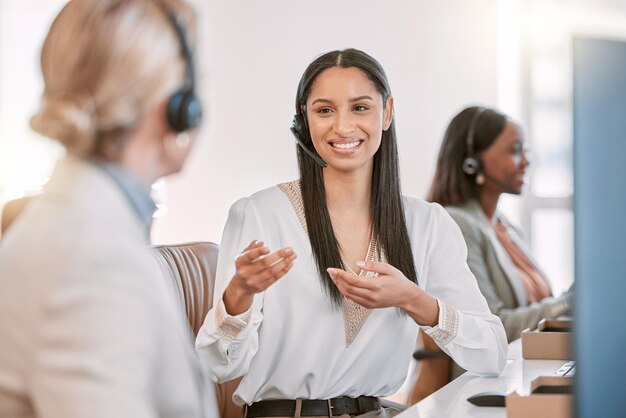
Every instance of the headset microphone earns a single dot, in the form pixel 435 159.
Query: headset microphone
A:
pixel 317 159
pixel 298 127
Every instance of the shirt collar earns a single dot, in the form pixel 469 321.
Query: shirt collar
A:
pixel 136 192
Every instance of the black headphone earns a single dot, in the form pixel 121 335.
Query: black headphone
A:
pixel 299 125
pixel 472 164
pixel 300 129
pixel 184 111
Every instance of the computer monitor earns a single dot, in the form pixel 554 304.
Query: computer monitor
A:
pixel 600 226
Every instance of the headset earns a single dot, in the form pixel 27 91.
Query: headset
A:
pixel 184 111
pixel 472 164
pixel 300 129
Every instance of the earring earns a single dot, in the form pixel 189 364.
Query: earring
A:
pixel 177 145
pixel 480 179
pixel 182 140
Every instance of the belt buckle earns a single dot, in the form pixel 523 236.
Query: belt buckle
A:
pixel 360 404
pixel 330 408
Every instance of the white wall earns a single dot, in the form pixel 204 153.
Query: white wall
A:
pixel 439 56
pixel 26 158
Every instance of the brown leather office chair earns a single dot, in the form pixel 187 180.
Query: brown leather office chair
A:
pixel 192 270
pixel 435 369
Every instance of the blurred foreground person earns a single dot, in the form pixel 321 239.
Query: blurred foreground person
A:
pixel 88 324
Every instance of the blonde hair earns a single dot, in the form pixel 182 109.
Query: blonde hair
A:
pixel 104 64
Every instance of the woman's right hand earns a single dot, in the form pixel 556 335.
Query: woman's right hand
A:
pixel 256 270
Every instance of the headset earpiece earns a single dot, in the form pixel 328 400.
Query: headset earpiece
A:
pixel 184 111
pixel 472 166
pixel 299 126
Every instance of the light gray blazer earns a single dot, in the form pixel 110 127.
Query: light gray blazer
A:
pixel 497 275
pixel 88 324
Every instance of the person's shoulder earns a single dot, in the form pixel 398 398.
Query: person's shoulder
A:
pixel 116 275
pixel 415 206
pixel 460 212
pixel 267 196
pixel 268 199
pixel 132 258
pixel 468 217
pixel 420 213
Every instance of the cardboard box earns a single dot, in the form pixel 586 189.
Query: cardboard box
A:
pixel 550 341
pixel 550 397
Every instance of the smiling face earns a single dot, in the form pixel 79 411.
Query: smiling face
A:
pixel 346 117
pixel 505 161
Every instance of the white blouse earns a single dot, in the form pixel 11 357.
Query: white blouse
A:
pixel 292 344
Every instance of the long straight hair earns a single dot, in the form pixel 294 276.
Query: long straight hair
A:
pixel 388 220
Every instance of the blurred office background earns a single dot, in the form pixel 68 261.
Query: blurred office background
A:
pixel 440 56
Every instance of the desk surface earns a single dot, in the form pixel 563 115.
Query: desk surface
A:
pixel 451 400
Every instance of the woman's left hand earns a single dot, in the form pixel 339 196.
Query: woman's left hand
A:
pixel 390 288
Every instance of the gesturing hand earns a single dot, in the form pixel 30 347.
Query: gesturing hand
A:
pixel 390 288
pixel 256 270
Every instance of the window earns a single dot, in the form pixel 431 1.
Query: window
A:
pixel 537 49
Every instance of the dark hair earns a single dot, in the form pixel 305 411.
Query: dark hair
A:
pixel 451 185
pixel 388 221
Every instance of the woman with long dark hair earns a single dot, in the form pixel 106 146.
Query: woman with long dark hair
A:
pixel 335 330
pixel 482 156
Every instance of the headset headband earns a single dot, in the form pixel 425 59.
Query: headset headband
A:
pixel 179 29
pixel 471 130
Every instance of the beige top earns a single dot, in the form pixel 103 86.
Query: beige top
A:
pixel 88 324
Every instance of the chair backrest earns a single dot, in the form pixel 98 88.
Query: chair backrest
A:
pixel 434 369
pixel 192 270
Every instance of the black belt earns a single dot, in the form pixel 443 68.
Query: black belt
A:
pixel 314 408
